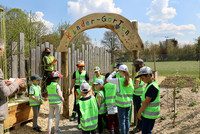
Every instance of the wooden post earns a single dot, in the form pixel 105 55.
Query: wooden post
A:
pixel 21 57
pixel 64 68
pixel 135 56
pixel 14 61
pixel 33 61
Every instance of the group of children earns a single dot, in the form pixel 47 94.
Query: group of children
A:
pixel 54 97
pixel 114 94
pixel 105 104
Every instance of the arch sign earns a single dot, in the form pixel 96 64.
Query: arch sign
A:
pixel 125 30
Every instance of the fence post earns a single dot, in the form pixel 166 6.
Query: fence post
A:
pixel 21 57
pixel 32 61
pixel 38 60
pixel 64 67
pixel 15 62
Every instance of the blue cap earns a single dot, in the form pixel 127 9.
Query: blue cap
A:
pixel 35 77
pixel 99 81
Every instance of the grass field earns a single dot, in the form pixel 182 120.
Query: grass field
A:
pixel 189 68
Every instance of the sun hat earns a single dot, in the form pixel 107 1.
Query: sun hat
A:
pixel 99 81
pixel 97 69
pixel 138 62
pixel 84 87
pixel 123 68
pixel 35 77
pixel 56 74
pixel 143 71
pixel 81 63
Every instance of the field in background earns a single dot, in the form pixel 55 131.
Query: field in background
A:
pixel 186 68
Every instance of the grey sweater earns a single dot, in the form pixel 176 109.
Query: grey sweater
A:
pixel 5 91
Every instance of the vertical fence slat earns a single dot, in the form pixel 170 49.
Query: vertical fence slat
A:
pixel 70 66
pixel 56 57
pixel 14 60
pixel 32 61
pixel 46 44
pixel 21 57
pixel 59 66
pixel 52 50
pixel 73 58
pixel 83 52
pixel 37 60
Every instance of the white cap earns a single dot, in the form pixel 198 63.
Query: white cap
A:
pixel 85 87
pixel 123 68
pixel 143 71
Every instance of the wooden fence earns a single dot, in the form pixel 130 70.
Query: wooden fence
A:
pixel 25 67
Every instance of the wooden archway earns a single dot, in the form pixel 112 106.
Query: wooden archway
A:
pixel 125 30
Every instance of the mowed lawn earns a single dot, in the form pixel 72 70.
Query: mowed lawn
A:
pixel 188 68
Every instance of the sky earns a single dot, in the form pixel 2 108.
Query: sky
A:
pixel 157 19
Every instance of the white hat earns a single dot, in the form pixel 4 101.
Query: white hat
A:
pixel 143 71
pixel 123 68
pixel 85 87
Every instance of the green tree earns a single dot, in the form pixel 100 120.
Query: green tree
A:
pixel 197 45
pixel 112 44
pixel 54 38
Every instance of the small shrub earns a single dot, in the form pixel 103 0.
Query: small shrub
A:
pixel 163 118
pixel 192 104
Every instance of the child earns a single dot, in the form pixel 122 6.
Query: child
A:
pixel 110 93
pixel 97 76
pixel 35 100
pixel 124 96
pixel 88 109
pixel 55 98
pixel 138 90
pixel 150 109
pixel 100 97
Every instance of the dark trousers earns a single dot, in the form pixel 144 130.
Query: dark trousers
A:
pixel 102 117
pixel 76 108
pixel 147 125
pixel 89 132
pixel 46 81
pixel 137 104
pixel 113 120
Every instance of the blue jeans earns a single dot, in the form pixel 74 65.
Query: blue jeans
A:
pixel 123 116
pixel 147 125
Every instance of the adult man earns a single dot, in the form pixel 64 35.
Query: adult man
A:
pixel 78 77
pixel 49 63
pixel 6 88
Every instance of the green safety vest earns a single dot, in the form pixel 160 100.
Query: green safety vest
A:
pixel 49 60
pixel 37 95
pixel 125 96
pixel 102 109
pixel 89 114
pixel 80 77
pixel 138 91
pixel 110 93
pixel 95 79
pixel 52 93
pixel 79 92
pixel 117 75
pixel 152 111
